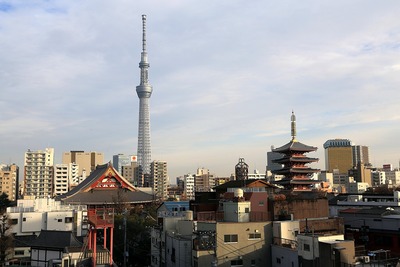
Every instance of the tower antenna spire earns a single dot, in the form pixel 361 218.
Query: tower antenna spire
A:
pixel 293 126
pixel 144 91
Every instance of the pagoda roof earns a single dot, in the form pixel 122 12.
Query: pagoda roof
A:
pixel 103 186
pixel 296 170
pixel 295 159
pixel 294 145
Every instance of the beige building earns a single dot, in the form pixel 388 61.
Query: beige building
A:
pixel 130 173
pixel 87 161
pixel 39 172
pixel 338 156
pixel 9 181
pixel 159 178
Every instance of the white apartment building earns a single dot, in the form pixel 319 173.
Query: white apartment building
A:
pixel 65 176
pixel 378 177
pixel 188 186
pixel 30 216
pixel 159 178
pixel 38 173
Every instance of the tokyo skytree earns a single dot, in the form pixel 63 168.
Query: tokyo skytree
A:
pixel 144 91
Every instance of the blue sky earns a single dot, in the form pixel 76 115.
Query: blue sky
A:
pixel 226 76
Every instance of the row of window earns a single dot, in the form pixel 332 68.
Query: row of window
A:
pixel 234 238
pixel 66 220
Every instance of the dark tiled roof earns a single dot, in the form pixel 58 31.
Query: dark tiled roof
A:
pixel 108 197
pixel 294 146
pixel 56 239
pixel 24 240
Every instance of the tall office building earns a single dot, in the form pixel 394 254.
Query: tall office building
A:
pixel 360 155
pixel 159 179
pixel 87 161
pixel 144 91
pixel 121 160
pixel 38 173
pixel 9 181
pixel 338 155
pixel 65 177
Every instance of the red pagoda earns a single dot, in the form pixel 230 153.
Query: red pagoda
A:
pixel 297 175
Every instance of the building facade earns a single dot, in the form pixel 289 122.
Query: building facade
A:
pixel 9 176
pixel 39 173
pixel 338 155
pixel 87 161
pixel 159 178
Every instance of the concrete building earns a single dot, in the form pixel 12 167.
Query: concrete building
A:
pixel 378 178
pixel 338 155
pixel 360 155
pixel 159 179
pixel 204 181
pixel 271 157
pixel 189 186
pixel 9 181
pixel 39 173
pixel 357 188
pixel 65 177
pixel 123 160
pixel 392 177
pixel 87 161
pixel 130 173
pixel 31 216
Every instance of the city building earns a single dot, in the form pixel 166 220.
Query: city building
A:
pixel 9 181
pixel 203 180
pixel 159 179
pixel 121 160
pixel 189 186
pixel 39 173
pixel 360 155
pixel 361 173
pixel 271 156
pixel 130 172
pixel 144 91
pixel 87 161
pixel 338 155
pixel 295 170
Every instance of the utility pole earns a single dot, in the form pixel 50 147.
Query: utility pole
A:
pixel 125 252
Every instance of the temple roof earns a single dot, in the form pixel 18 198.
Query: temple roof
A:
pixel 294 145
pixel 295 159
pixel 103 186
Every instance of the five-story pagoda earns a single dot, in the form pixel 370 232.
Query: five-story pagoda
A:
pixel 297 175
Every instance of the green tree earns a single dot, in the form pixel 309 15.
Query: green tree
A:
pixel 4 202
pixel 6 240
pixel 139 221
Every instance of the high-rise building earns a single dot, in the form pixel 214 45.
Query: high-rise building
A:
pixel 122 160
pixel 65 177
pixel 338 155
pixel 203 180
pixel 144 91
pixel 39 173
pixel 159 178
pixel 9 176
pixel 360 155
pixel 87 161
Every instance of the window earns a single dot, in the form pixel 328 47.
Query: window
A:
pixel 59 220
pixel 69 219
pixel 278 260
pixel 230 238
pixel 14 221
pixel 253 262
pixel 237 263
pixel 254 235
pixel 18 252
pixel 261 203
pixel 173 255
pixel 246 210
pixel 24 219
pixel 306 247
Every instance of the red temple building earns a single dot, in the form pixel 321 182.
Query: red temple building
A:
pixel 297 175
pixel 104 192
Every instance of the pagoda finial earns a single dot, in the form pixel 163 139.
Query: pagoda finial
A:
pixel 293 126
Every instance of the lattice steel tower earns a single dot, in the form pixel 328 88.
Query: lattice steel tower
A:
pixel 144 91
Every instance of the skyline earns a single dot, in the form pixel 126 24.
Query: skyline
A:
pixel 226 77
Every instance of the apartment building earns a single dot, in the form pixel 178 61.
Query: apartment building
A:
pixel 159 178
pixel 39 173
pixel 87 161
pixel 9 176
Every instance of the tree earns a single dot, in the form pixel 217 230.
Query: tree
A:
pixel 6 240
pixel 4 202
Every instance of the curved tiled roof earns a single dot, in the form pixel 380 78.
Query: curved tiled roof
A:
pixel 294 146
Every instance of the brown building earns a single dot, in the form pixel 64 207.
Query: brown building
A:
pixel 338 155
pixel 87 161
pixel 9 181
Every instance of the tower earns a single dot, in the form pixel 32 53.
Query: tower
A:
pixel 144 91
pixel 297 175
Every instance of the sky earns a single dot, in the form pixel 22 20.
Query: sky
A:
pixel 226 76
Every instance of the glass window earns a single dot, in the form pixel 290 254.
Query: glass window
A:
pixel 254 235
pixel 230 238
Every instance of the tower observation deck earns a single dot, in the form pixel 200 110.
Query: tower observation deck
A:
pixel 144 91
